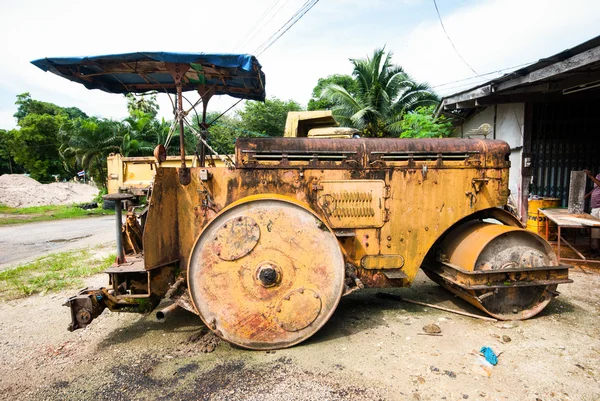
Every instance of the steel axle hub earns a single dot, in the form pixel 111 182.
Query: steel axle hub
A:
pixel 268 275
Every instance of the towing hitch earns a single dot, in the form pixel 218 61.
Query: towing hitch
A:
pixel 85 307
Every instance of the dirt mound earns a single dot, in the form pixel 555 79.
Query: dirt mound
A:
pixel 17 180
pixel 18 190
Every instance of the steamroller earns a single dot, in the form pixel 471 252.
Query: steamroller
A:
pixel 263 247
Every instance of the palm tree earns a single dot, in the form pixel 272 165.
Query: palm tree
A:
pixel 139 131
pixel 88 141
pixel 385 93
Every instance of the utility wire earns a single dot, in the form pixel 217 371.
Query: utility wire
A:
pixel 481 75
pixel 450 40
pixel 288 24
pixel 246 36
pixel 251 37
pixel 223 113
pixel 306 7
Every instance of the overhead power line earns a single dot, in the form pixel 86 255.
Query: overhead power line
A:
pixel 463 86
pixel 254 29
pixel 482 75
pixel 306 7
pixel 460 84
pixel 450 40
pixel 273 15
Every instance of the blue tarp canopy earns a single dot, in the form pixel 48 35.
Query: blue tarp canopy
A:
pixel 237 75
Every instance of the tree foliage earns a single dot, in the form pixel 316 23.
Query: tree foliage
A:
pixel 7 163
pixel 223 132
pixel 384 94
pixel 87 143
pixel 146 104
pixel 54 141
pixel 27 105
pixel 35 146
pixel 421 123
pixel 140 133
pixel 317 102
pixel 267 118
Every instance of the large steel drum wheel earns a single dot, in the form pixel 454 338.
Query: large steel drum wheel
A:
pixel 266 274
pixel 482 247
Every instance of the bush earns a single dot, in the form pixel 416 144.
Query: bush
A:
pixel 422 123
pixel 101 193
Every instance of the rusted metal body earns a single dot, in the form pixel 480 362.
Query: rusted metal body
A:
pixel 388 201
pixel 262 252
pixel 389 206
pixel 135 175
pixel 266 250
pixel 315 124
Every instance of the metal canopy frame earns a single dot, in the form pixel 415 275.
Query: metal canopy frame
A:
pixel 236 75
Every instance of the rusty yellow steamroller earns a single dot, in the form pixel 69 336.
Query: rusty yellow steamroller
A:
pixel 263 249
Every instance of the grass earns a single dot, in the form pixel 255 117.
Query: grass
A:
pixel 52 273
pixel 10 215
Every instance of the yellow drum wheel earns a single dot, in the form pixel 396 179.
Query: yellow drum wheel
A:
pixel 524 259
pixel 266 273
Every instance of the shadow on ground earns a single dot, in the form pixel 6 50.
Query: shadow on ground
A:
pixel 180 321
pixel 155 379
pixel 360 311
pixel 364 310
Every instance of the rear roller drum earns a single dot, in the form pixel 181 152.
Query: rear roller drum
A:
pixel 508 272
pixel 266 274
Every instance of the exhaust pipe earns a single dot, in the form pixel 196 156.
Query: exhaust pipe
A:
pixel 163 314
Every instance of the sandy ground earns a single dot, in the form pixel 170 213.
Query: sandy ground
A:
pixel 18 190
pixel 371 349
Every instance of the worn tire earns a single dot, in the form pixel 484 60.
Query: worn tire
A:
pixel 108 205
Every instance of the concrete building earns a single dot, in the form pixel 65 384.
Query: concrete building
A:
pixel 548 112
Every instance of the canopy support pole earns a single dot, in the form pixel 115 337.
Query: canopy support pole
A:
pixel 178 72
pixel 205 94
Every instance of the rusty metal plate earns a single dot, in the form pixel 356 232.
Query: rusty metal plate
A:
pixel 239 299
pixel 236 238
pixel 298 309
pixel 375 262
pixel 352 203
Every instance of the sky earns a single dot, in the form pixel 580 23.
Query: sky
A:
pixel 490 35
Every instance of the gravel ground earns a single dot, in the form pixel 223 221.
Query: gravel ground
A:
pixel 371 349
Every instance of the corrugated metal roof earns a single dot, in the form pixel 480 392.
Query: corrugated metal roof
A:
pixel 545 69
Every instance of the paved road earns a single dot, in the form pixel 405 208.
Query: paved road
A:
pixel 26 242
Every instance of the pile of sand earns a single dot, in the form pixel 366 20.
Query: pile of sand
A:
pixel 17 190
